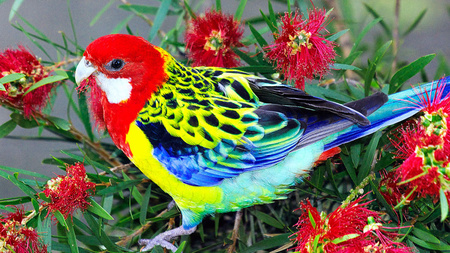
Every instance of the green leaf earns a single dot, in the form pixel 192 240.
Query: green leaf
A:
pixel 60 123
pixel 339 66
pixel 47 80
pixel 408 71
pixel 118 187
pixel 98 209
pixel 7 127
pixel 344 238
pixel 22 186
pixel 60 219
pixel 268 243
pixel 270 25
pixel 383 201
pixel 311 219
pixel 96 227
pixel 22 122
pixel 429 245
pixel 425 236
pixel 10 78
pixel 373 66
pixel 144 205
pixel 337 35
pixel 269 220
pixel 14 9
pixel 444 205
pixel 355 154
pixel 44 198
pixel 100 13
pixel 192 13
pixel 369 156
pixel 363 33
pixel 261 41
pixel 159 18
pixel 415 22
pixel 383 24
pixel 240 10
pixel 84 115
pixel 218 5
pixel 122 24
pixel 71 237
pixel 350 168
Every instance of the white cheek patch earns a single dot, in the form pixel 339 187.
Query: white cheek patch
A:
pixel 116 89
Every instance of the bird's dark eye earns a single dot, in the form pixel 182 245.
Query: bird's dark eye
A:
pixel 115 65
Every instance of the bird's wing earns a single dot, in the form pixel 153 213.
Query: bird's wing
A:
pixel 268 91
pixel 206 137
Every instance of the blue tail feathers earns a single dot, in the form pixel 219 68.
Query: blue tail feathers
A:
pixel 399 107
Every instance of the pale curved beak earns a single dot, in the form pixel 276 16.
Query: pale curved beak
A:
pixel 83 71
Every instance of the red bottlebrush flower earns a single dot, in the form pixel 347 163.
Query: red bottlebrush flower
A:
pixel 424 144
pixel 22 61
pixel 210 39
pixel 69 193
pixel 16 236
pixel 392 192
pixel 300 50
pixel 350 228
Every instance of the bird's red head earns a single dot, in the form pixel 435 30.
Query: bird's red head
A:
pixel 124 71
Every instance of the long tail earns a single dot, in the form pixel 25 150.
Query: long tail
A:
pixel 399 107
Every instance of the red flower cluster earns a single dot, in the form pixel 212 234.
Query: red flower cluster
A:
pixel 22 61
pixel 16 236
pixel 300 51
pixel 69 193
pixel 424 144
pixel 210 39
pixel 350 228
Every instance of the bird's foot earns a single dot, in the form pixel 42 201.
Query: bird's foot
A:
pixel 164 238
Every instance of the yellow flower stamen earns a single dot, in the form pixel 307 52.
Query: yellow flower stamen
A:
pixel 300 39
pixel 214 41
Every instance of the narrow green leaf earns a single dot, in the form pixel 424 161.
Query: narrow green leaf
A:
pixel 337 35
pixel 97 227
pixel 444 205
pixel 60 123
pixel 269 23
pixel 44 230
pixel 218 5
pixel 84 115
pixel 383 201
pixel 355 154
pixel 71 237
pixel 22 186
pixel 122 24
pixel 383 24
pixel 14 9
pixel 425 236
pixel 7 127
pixel 311 219
pixel 181 247
pixel 339 66
pixel 272 16
pixel 369 156
pixel 261 41
pixel 344 238
pixel 415 22
pixel 428 245
pixel 268 243
pixel 159 18
pixel 350 168
pixel 363 33
pixel 35 204
pixel 269 220
pixel 11 78
pixel 22 122
pixel 408 71
pixel 373 65
pixel 98 209
pixel 259 69
pixel 100 13
pixel 118 187
pixel 47 80
pixel 243 56
pixel 190 11
pixel 240 10
pixel 60 219
pixel 144 205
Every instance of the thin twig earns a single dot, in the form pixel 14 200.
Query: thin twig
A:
pixel 395 35
pixel 234 235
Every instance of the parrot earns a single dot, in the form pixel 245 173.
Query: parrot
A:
pixel 219 140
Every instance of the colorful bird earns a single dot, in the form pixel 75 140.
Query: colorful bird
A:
pixel 215 139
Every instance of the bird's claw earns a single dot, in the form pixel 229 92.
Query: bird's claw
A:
pixel 164 238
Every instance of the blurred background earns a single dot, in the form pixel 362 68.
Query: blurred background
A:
pixel 53 19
